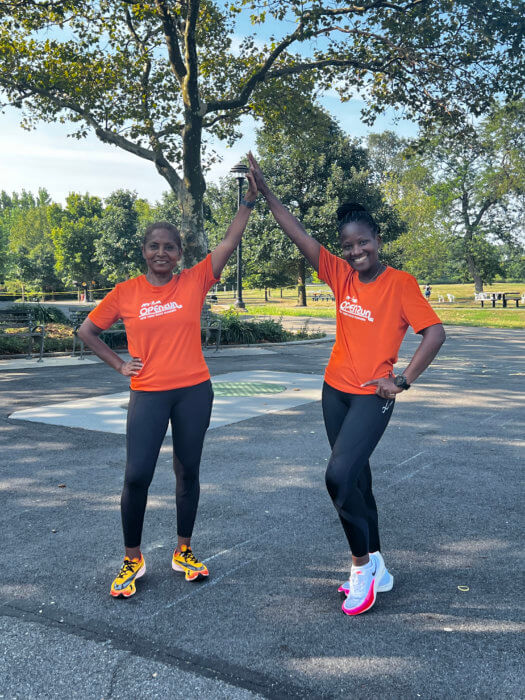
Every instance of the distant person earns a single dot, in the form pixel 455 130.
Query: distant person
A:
pixel 375 305
pixel 169 381
pixel 428 291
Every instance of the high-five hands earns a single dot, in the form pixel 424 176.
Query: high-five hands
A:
pixel 252 191
pixel 256 172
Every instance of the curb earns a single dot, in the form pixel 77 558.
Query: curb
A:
pixel 325 339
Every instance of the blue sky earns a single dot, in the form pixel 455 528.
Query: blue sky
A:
pixel 46 157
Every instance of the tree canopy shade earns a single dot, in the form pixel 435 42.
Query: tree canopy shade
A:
pixel 159 78
pixel 462 196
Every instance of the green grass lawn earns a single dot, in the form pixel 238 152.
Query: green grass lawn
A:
pixel 464 294
pixel 451 315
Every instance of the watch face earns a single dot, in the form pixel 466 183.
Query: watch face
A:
pixel 400 380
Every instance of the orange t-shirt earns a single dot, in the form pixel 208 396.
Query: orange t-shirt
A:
pixel 162 326
pixel 372 320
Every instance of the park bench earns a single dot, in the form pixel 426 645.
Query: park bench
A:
pixel 504 297
pixel 22 324
pixel 323 296
pixel 77 317
pixel 210 323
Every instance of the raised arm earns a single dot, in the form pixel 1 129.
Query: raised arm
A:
pixel 220 254
pixel 292 227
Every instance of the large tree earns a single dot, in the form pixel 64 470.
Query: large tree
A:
pixel 462 195
pixel 160 78
pixel 31 254
pixel 74 238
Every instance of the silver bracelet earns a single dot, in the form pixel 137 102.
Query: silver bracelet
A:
pixel 250 205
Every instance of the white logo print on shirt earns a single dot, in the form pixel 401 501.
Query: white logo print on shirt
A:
pixel 351 307
pixel 153 309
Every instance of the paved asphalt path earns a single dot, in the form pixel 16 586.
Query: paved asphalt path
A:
pixel 268 622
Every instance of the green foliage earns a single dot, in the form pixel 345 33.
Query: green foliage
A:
pixel 162 80
pixel 74 239
pixel 30 255
pixel 462 196
pixel 239 331
pixel 118 247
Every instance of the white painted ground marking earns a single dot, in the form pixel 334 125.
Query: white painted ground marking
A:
pixel 240 544
pixel 409 476
pixel 385 471
pixel 202 587
pixel 106 413
pixel 488 418
pixel 409 459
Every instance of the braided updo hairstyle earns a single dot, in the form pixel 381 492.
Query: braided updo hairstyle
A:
pixel 351 212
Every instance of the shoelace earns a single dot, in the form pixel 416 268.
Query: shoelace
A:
pixel 127 567
pixel 190 557
pixel 358 584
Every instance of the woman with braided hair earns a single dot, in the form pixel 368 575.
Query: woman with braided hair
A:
pixel 375 304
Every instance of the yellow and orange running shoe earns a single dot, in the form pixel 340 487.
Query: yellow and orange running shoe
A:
pixel 188 563
pixel 124 584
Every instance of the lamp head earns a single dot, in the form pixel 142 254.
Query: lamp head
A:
pixel 239 171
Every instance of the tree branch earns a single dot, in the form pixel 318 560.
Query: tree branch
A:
pixel 172 41
pixel 191 81
pixel 105 135
pixel 256 78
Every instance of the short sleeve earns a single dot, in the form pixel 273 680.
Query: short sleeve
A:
pixel 416 310
pixel 330 268
pixel 201 275
pixel 107 311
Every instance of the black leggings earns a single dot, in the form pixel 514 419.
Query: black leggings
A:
pixel 354 425
pixel 189 410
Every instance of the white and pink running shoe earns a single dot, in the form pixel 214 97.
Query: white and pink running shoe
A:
pixel 363 586
pixel 383 584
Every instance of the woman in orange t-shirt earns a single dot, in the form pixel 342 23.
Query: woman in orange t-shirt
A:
pixel 170 381
pixel 375 305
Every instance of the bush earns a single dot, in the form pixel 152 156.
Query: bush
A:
pixel 239 331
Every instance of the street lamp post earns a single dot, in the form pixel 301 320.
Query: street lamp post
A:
pixel 239 171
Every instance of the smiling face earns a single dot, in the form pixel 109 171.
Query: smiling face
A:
pixel 360 246
pixel 161 251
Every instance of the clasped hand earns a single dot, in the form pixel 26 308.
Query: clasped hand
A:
pixel 131 368
pixel 386 388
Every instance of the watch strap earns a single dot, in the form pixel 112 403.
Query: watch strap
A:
pixel 245 202
pixel 401 381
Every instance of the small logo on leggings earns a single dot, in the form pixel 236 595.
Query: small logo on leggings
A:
pixel 385 408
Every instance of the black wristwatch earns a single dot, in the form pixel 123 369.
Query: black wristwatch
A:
pixel 248 204
pixel 401 381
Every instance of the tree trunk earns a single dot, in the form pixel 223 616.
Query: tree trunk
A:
pixel 265 294
pixel 475 274
pixel 191 194
pixel 301 283
pixel 469 258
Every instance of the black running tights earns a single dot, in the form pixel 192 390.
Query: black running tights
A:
pixel 354 425
pixel 189 410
